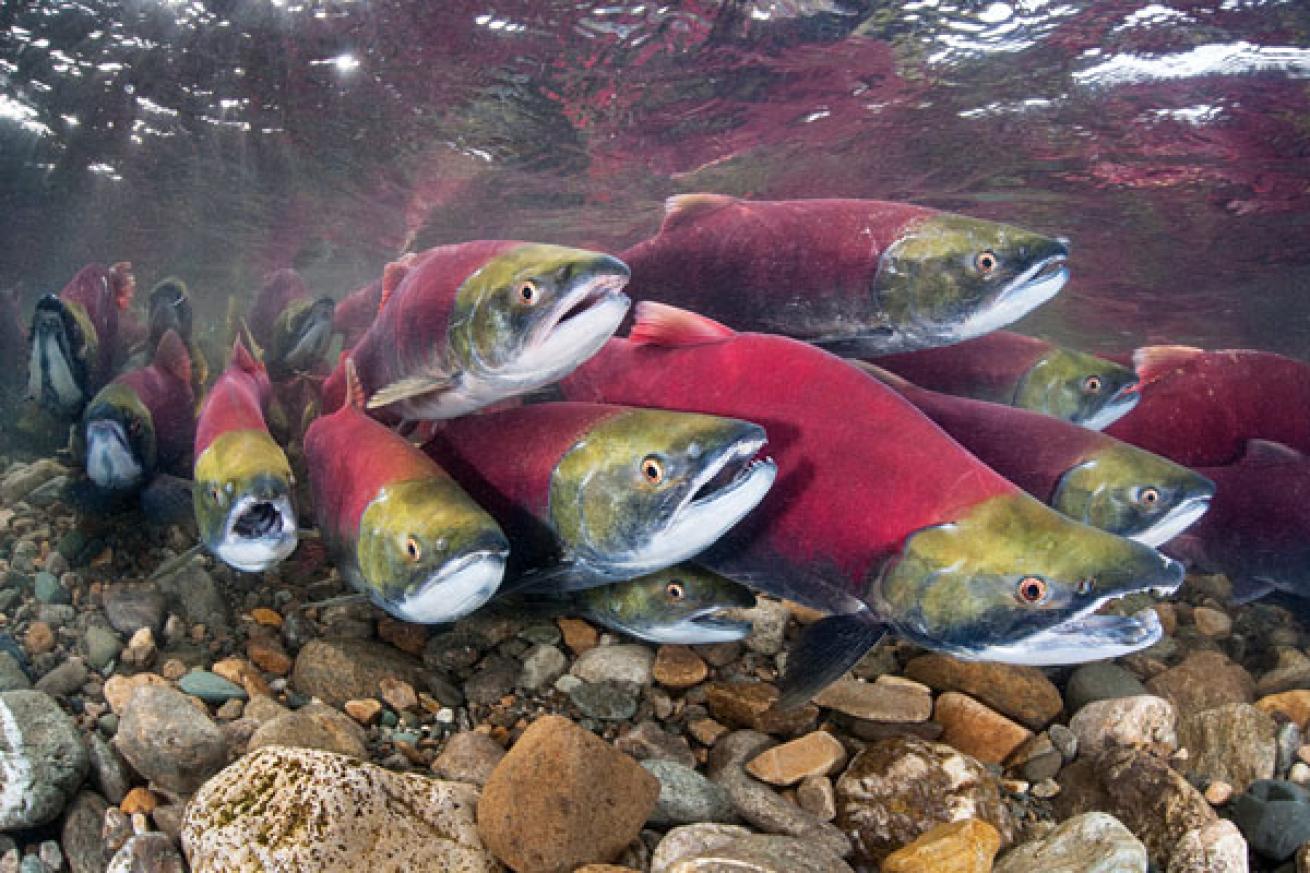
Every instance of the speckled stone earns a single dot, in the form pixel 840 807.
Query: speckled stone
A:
pixel 1203 681
pixel 897 789
pixel 1091 843
pixel 1235 744
pixel 687 797
pixel 167 740
pixel 469 757
pixel 42 759
pixel 760 853
pixel 315 726
pixel 1216 848
pixel 1140 722
pixel 337 670
pixel 691 840
pixel 283 809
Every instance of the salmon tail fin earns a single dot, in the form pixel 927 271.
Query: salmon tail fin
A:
pixel 354 388
pixel 392 275
pixel 681 210
pixel 244 360
pixel 823 654
pixel 899 384
pixel 172 357
pixel 659 324
pixel 1152 362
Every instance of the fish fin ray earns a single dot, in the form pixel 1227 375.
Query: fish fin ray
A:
pixel 244 360
pixel 681 210
pixel 124 284
pixel 1270 452
pixel 824 652
pixel 413 386
pixel 899 384
pixel 354 388
pixel 1152 362
pixel 172 357
pixel 663 325
pixel 1247 589
pixel 392 275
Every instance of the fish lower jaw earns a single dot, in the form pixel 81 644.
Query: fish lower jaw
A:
pixel 1179 519
pixel 258 555
pixel 702 630
pixel 1088 638
pixel 454 591
pixel 566 343
pixel 1022 296
pixel 1110 413
pixel 698 524
pixel 259 533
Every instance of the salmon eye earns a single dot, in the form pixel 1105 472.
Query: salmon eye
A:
pixel 986 261
pixel 1149 497
pixel 412 549
pixel 675 591
pixel 1032 589
pixel 1092 385
pixel 529 294
pixel 215 495
pixel 1087 586
pixel 652 468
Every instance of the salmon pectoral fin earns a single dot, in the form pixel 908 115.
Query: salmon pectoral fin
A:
pixel 406 389
pixel 824 652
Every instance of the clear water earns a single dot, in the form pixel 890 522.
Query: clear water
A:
pixel 218 140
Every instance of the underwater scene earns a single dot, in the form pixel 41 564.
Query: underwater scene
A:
pixel 727 435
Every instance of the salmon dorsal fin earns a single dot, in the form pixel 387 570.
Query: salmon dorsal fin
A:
pixel 898 384
pixel 681 210
pixel 1269 452
pixel 354 388
pixel 659 324
pixel 392 274
pixel 1152 362
pixel 171 356
pixel 244 360
pixel 124 284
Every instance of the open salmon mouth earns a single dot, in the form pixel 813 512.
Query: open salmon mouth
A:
pixel 259 520
pixel 587 298
pixel 731 471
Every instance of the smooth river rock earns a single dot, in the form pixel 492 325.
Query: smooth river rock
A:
pixel 303 809
pixel 1094 842
pixel 42 759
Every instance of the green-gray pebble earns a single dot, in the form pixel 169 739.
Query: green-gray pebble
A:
pixel 210 687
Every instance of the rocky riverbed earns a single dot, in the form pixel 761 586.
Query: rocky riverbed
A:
pixel 211 721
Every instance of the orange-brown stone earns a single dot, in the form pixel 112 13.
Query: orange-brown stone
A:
pixel 967 846
pixel 815 754
pixel 268 654
pixel 1022 693
pixel 1293 704
pixel 267 617
pixel 750 705
pixel 679 667
pixel 978 730
pixel 562 797
pixel 578 635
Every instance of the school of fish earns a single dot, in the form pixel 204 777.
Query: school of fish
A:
pixel 814 400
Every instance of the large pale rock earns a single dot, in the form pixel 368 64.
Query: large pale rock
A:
pixel 898 788
pixel 337 670
pixel 1235 744
pixel 1090 843
pixel 1141 722
pixel 1149 797
pixel 1216 848
pixel 562 797
pixel 624 663
pixel 169 740
pixel 966 846
pixel 760 853
pixel 42 759
pixel 304 809
pixel 689 841
pixel 1022 693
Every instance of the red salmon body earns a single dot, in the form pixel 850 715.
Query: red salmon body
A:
pixel 987 368
pixel 236 402
pixel 859 468
pixel 1200 408
pixel 164 388
pixel 105 293
pixel 355 312
pixel 351 458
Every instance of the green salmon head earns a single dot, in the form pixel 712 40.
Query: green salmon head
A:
pixel 1016 582
pixel 952 278
pixel 62 342
pixel 427 553
pixel 531 315
pixel 119 437
pixel 683 605
pixel 1133 493
pixel 645 489
pixel 242 500
pixel 301 336
pixel 1079 388
pixel 170 309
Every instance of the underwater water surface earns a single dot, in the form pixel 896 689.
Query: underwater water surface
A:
pixel 219 140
